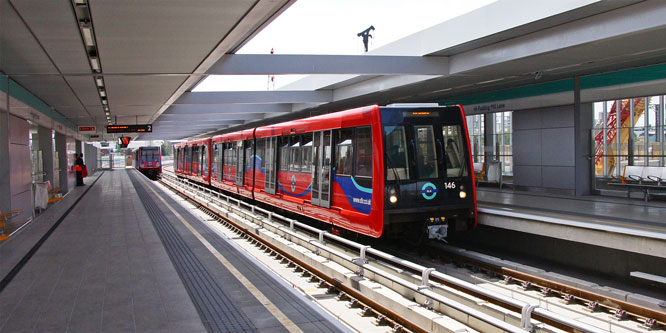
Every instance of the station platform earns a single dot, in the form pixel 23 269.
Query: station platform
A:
pixel 615 211
pixel 120 255
pixel 620 223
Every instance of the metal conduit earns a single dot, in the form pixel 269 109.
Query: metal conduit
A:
pixel 423 290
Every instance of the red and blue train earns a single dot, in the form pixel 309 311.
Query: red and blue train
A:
pixel 378 171
pixel 148 160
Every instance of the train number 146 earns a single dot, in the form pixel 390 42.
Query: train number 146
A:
pixel 450 185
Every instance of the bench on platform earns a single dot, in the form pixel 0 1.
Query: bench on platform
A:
pixel 490 172
pixel 643 178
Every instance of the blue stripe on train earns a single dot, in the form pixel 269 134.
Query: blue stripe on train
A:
pixel 359 197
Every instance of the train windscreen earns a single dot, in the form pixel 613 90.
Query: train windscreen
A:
pixel 455 154
pixel 424 144
pixel 150 154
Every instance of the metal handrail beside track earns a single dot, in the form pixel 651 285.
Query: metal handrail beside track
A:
pixel 288 227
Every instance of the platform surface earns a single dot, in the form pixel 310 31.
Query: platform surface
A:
pixel 108 268
pixel 603 210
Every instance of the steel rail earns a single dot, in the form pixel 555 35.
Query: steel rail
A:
pixel 512 304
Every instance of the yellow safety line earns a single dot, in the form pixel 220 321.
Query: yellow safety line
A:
pixel 281 317
pixel 574 218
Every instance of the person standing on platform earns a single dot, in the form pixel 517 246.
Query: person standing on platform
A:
pixel 78 167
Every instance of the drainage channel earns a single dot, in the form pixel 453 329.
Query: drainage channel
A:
pixel 217 311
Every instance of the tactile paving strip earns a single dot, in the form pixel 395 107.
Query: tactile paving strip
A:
pixel 214 306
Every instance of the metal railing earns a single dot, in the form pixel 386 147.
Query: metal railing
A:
pixel 424 288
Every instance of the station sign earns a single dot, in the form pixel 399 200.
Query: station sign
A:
pixel 87 129
pixel 147 128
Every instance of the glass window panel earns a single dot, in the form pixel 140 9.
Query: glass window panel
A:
pixel 396 153
pixel 204 160
pixel 306 147
pixel 249 160
pixel 284 154
pixel 454 151
pixel 363 152
pixel 344 151
pixel 295 154
pixel 426 158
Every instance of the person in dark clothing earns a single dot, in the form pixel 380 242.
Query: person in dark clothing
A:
pixel 78 167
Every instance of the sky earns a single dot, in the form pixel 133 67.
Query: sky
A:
pixel 331 27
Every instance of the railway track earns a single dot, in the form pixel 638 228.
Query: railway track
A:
pixel 427 292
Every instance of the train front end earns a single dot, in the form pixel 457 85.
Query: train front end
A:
pixel 150 161
pixel 429 185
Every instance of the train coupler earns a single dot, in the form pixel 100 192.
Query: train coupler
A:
pixel 439 232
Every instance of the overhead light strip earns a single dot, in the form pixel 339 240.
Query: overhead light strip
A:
pixel 87 30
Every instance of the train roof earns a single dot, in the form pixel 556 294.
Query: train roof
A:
pixel 192 143
pixel 247 134
pixel 353 117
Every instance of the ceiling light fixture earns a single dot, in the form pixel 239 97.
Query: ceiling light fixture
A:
pixel 94 62
pixel 86 31
pixel 100 82
pixel 102 93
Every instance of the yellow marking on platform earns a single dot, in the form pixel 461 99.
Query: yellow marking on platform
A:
pixel 281 317
pixel 575 218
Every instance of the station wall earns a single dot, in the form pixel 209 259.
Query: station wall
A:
pixel 544 149
pixel 20 168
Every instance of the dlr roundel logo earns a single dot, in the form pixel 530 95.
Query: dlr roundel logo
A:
pixel 429 191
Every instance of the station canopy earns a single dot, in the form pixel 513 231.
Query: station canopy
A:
pixel 136 62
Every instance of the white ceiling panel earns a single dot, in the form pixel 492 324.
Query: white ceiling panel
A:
pixel 54 25
pixel 157 36
pixel 21 54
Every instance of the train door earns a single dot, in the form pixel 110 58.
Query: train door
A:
pixel 321 169
pixel 240 169
pixel 271 160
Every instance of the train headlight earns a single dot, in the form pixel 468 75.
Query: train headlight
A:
pixel 393 196
pixel 463 194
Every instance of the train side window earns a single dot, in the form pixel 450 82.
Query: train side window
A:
pixel 216 159
pixel 259 155
pixel 306 146
pixel 295 154
pixel 396 153
pixel 229 155
pixel 196 158
pixel 363 152
pixel 249 160
pixel 284 153
pixel 204 160
pixel 344 150
pixel 454 151
pixel 426 158
pixel 220 160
